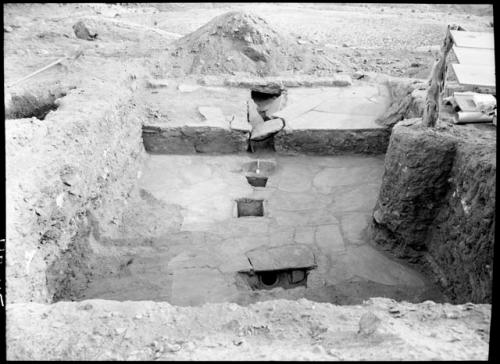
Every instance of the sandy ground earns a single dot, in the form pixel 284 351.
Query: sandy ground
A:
pixel 379 329
pixel 388 39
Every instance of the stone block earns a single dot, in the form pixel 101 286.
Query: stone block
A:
pixel 262 131
pixel 254 117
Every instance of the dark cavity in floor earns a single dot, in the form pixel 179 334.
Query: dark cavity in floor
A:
pixel 257 181
pixel 285 278
pixel 250 207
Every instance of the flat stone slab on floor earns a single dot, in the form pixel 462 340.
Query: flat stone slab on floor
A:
pixel 351 108
pixel 329 121
pixel 281 257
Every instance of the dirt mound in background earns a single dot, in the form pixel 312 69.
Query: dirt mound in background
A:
pixel 240 42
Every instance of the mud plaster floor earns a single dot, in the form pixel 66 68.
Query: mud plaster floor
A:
pixel 324 203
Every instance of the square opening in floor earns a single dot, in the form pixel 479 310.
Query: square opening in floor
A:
pixel 250 207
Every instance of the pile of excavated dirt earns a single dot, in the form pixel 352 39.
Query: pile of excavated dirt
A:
pixel 242 42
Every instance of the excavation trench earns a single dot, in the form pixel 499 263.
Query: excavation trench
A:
pixel 305 233
pixel 249 226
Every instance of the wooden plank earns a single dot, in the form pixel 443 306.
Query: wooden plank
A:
pixel 474 75
pixel 475 56
pixel 473 39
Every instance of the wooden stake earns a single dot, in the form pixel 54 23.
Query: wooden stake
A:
pixel 436 83
pixel 78 54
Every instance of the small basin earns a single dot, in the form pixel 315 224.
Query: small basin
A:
pixel 262 168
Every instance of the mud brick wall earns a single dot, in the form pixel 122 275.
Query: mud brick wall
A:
pixel 436 206
pixel 191 140
pixel 80 163
pixel 332 142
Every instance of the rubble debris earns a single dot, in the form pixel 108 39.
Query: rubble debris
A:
pixel 358 75
pixel 154 84
pixel 82 32
pixel 184 87
pixel 368 324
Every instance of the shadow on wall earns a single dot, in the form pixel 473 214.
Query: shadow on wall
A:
pixel 436 206
pixel 29 105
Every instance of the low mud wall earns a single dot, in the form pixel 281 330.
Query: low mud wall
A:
pixel 332 142
pixel 436 205
pixel 191 140
pixel 76 166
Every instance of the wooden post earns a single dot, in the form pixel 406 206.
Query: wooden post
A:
pixel 436 83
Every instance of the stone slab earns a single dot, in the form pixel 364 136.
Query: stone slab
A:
pixel 240 125
pixel 473 39
pixel 281 257
pixel 184 87
pixel 273 105
pixel 267 128
pixel 475 56
pixel 323 120
pixel 304 235
pixel 254 117
pixel 297 108
pixel 214 116
pixel 475 75
pixel 329 239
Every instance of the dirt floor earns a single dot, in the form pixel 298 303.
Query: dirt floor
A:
pixel 318 204
pixel 136 45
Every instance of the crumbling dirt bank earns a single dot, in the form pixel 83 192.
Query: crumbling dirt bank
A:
pixel 437 204
pixel 380 329
pixel 88 169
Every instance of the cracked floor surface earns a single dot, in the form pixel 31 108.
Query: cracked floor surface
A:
pixel 321 203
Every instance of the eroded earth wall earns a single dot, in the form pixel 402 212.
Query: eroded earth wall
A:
pixel 436 205
pixel 77 166
pixel 461 238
